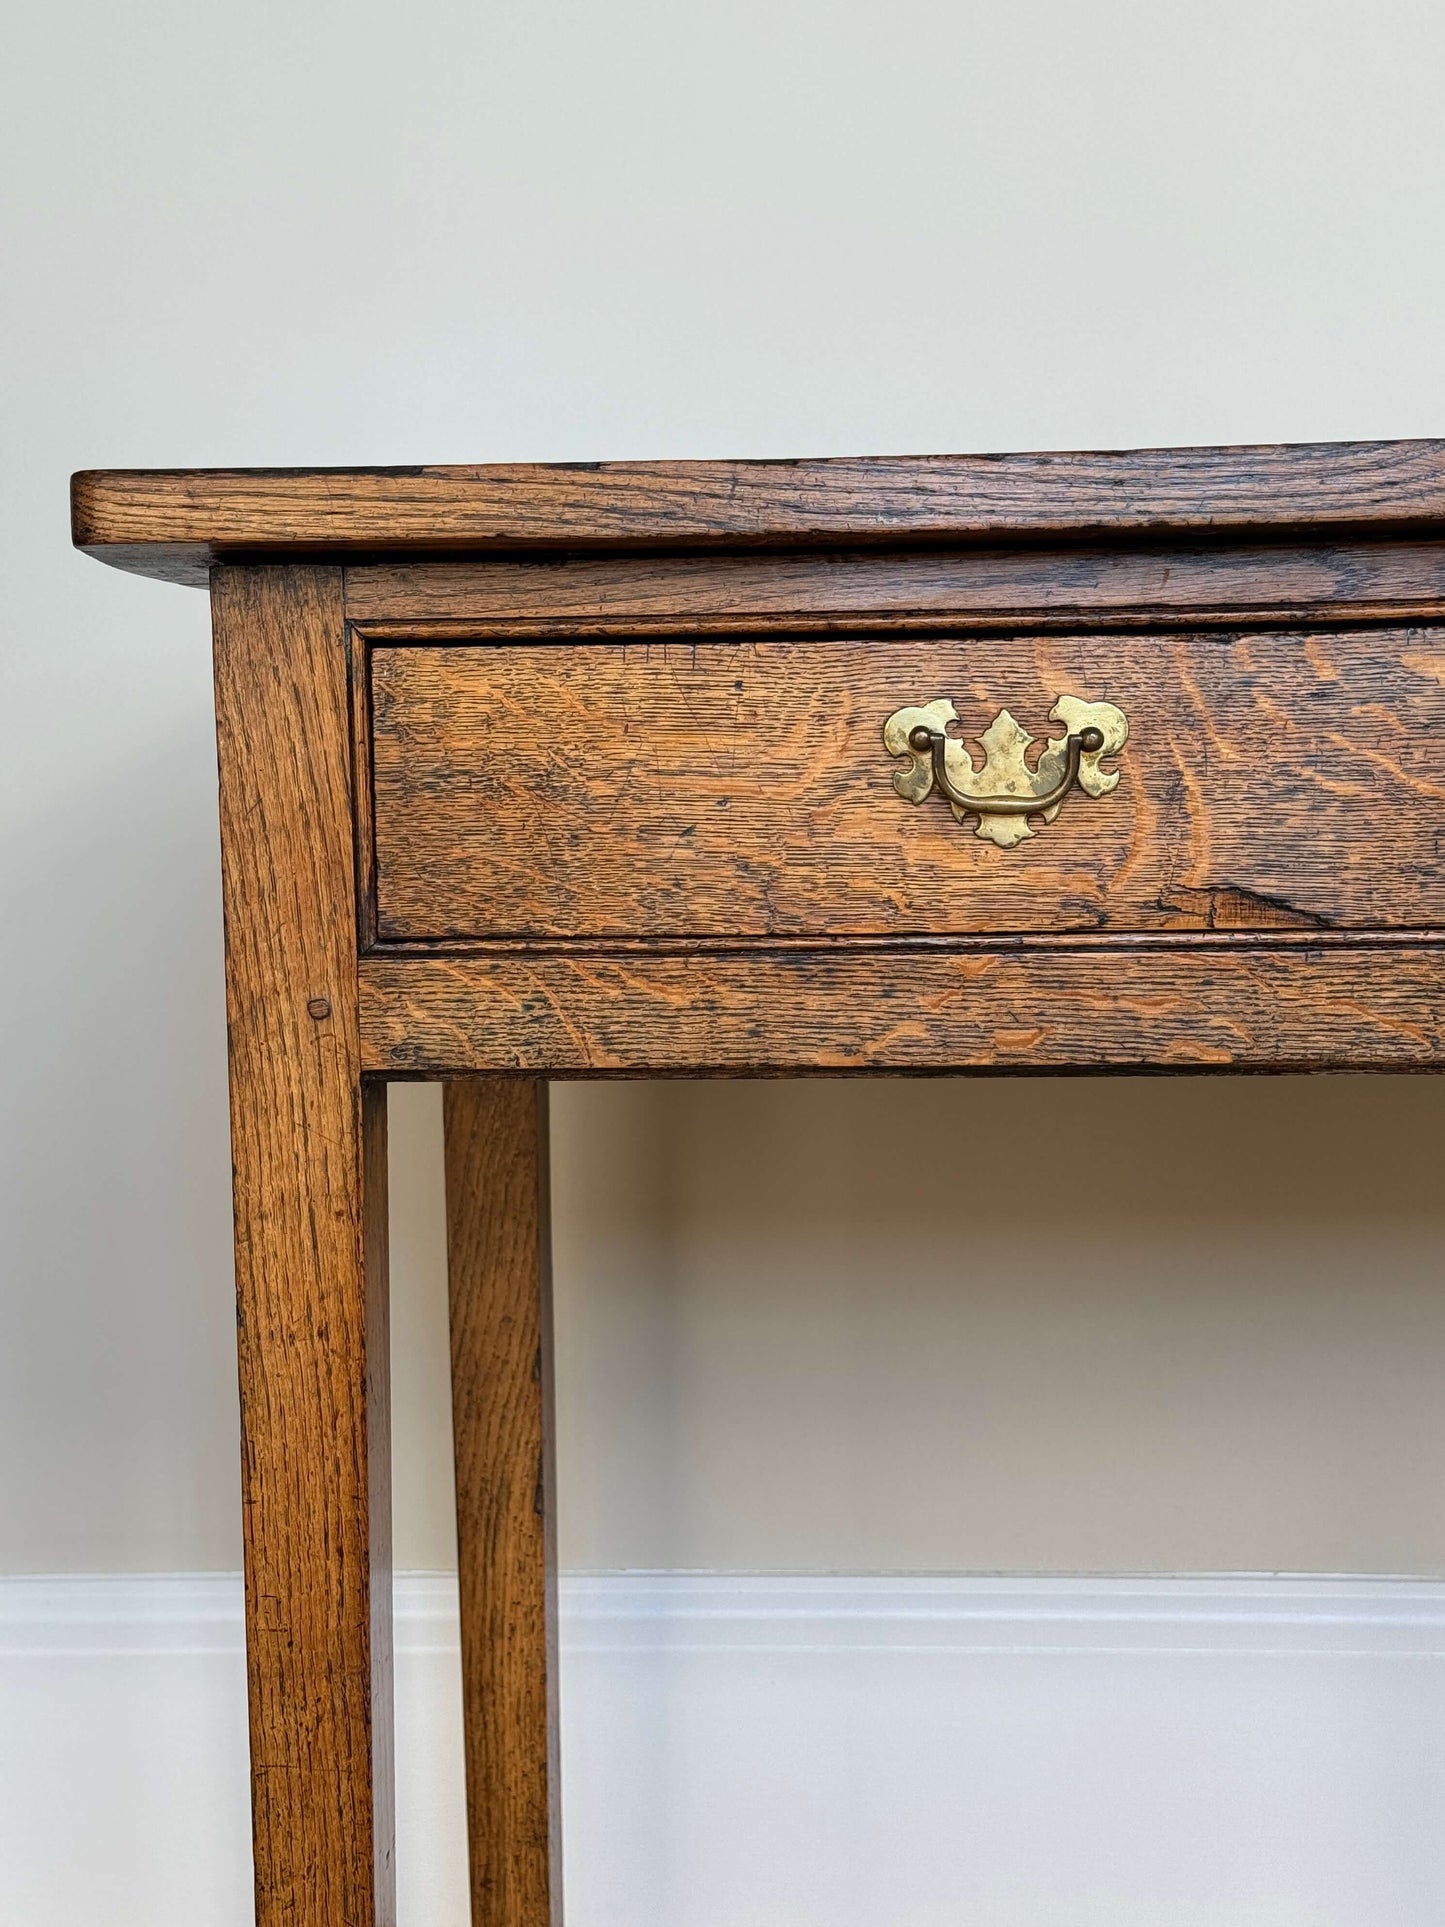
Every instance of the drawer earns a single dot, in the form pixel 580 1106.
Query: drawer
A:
pixel 742 789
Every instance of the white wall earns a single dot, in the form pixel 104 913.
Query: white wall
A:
pixel 318 233
pixel 278 233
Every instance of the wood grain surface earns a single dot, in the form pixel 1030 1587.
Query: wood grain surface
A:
pixel 175 523
pixel 498 1236
pixel 308 1149
pixel 897 588
pixel 728 789
pixel 1198 1006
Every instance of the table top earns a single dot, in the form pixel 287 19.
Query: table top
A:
pixel 176 523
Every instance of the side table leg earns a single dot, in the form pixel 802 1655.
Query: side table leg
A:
pixel 498 1259
pixel 308 1148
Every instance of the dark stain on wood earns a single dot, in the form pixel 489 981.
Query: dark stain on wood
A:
pixel 1225 908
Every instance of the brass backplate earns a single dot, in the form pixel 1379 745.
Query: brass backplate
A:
pixel 1005 792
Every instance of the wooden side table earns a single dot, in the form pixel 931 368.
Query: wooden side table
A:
pixel 1035 762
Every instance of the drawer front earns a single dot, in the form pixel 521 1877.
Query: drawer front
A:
pixel 743 789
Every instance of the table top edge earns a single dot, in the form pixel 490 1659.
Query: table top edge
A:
pixel 177 523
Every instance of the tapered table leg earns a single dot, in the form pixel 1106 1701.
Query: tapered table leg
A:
pixel 498 1259
pixel 308 1144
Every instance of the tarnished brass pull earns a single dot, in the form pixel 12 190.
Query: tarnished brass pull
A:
pixel 1005 793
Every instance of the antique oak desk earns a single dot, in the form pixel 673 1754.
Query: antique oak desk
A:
pixel 724 768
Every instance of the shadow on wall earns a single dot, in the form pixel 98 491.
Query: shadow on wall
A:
pixel 1002 1324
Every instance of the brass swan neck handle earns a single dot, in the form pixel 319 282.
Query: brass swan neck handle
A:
pixel 932 742
pixel 1003 793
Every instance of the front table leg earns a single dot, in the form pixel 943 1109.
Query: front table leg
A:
pixel 498 1261
pixel 308 1147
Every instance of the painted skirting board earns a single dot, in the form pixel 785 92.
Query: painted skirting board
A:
pixel 746 1751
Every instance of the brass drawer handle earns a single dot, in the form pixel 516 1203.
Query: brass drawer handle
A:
pixel 1005 793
